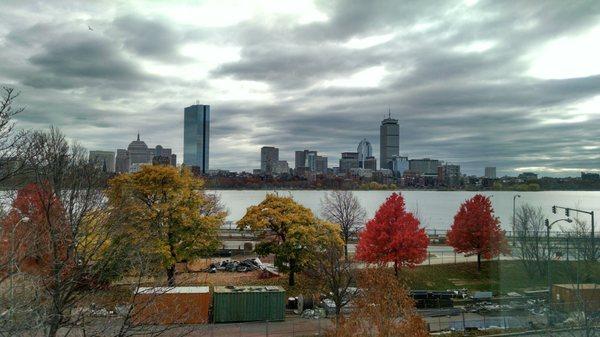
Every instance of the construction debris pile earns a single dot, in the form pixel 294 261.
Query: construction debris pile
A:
pixel 244 266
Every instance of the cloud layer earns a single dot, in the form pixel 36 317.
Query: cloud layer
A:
pixel 472 82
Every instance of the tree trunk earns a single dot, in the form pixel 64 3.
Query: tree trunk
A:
pixel 53 329
pixel 171 276
pixel 291 276
pixel 396 268
pixel 346 251
pixel 479 262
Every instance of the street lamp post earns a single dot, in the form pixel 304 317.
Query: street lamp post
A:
pixel 592 234
pixel 548 227
pixel 514 207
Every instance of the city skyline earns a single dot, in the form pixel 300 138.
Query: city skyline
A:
pixel 523 97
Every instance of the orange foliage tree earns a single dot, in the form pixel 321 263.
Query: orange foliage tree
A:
pixel 35 234
pixel 382 308
pixel 476 231
pixel 394 236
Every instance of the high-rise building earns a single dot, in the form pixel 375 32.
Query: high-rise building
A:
pixel 348 161
pixel 104 160
pixel 389 142
pixel 400 165
pixel 369 163
pixel 311 160
pixel 424 166
pixel 299 159
pixel 321 164
pixel 306 160
pixel 269 156
pixel 122 163
pixel 490 172
pixel 196 132
pixel 364 150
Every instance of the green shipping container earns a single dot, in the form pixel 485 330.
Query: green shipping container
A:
pixel 248 303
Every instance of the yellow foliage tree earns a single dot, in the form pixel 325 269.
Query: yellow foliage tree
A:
pixel 164 212
pixel 290 231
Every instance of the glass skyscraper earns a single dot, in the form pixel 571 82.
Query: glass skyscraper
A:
pixel 196 131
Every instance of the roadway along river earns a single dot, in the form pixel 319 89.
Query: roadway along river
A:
pixel 436 209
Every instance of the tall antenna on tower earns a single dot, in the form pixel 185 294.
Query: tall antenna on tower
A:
pixel 389 112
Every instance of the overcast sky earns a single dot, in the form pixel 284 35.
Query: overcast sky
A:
pixel 478 83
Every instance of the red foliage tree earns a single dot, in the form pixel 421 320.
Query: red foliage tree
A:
pixel 35 234
pixel 394 236
pixel 477 231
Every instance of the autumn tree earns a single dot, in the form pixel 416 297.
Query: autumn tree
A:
pixel 166 213
pixel 288 230
pixel 382 308
pixel 476 231
pixel 393 235
pixel 49 270
pixel 344 209
pixel 530 235
pixel 336 275
pixel 30 240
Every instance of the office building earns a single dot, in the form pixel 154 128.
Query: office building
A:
pixel 163 156
pixel 269 157
pixel 311 161
pixel 364 150
pixel 448 174
pixel 138 152
pixel 122 163
pixel 196 132
pixel 400 165
pixel 369 163
pixel 321 164
pixel 490 172
pixel 104 160
pixel 299 159
pixel 281 167
pixel 424 166
pixel 389 142
pixel 306 161
pixel 348 161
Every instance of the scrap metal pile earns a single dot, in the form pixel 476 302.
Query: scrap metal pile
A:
pixel 244 266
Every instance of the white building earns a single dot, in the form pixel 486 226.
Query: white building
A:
pixel 365 150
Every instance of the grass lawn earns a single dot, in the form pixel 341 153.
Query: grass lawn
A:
pixel 497 276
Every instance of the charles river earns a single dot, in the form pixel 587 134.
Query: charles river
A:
pixel 435 209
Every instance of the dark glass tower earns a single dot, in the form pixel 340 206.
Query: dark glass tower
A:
pixel 196 131
pixel 389 142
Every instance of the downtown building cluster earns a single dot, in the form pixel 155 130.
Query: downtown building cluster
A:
pixel 195 154
pixel 362 164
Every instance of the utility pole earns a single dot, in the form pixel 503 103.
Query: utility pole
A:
pixel 593 232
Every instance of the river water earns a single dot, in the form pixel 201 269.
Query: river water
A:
pixel 436 209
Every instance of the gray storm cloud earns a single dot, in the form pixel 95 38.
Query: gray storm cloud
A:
pixel 475 107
